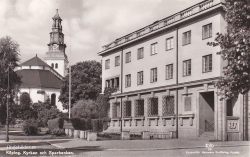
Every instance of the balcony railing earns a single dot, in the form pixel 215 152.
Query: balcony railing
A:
pixel 163 23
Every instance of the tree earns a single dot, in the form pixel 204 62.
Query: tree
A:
pixel 235 49
pixel 102 102
pixel 86 82
pixel 84 109
pixel 45 111
pixel 9 58
pixel 25 109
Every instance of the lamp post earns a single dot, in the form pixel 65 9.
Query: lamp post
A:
pixel 8 100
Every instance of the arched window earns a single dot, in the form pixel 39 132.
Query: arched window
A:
pixel 52 65
pixel 53 99
pixel 56 65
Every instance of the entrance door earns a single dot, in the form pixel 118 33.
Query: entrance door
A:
pixel 206 114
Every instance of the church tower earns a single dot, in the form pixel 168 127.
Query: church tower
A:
pixel 56 56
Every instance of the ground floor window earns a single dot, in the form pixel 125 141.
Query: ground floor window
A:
pixel 126 109
pixel 116 110
pixel 139 108
pixel 168 105
pixel 153 106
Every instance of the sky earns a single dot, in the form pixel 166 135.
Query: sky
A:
pixel 88 24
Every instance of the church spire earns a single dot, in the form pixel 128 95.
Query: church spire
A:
pixel 56 36
pixel 57 22
pixel 56 54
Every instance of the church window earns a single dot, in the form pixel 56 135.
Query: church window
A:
pixel 56 66
pixel 53 99
pixel 52 65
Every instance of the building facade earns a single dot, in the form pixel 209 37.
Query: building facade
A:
pixel 43 79
pixel 164 76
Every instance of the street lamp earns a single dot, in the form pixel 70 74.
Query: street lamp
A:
pixel 8 100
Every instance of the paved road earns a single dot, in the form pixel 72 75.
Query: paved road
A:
pixel 242 151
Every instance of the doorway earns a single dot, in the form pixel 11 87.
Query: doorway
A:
pixel 206 112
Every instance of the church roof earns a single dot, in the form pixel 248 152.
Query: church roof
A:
pixel 39 78
pixel 56 54
pixel 57 15
pixel 35 61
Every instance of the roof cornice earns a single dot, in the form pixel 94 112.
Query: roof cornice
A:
pixel 166 23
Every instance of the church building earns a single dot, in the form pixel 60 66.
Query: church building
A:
pixel 43 79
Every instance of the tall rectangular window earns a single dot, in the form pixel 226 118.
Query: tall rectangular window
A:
pixel 128 80
pixel 169 71
pixel 207 63
pixel 116 110
pixel 139 107
pixel 153 106
pixel 153 75
pixel 140 53
pixel 186 38
pixel 107 64
pixel 153 48
pixel 140 78
pixel 126 109
pixel 187 67
pixel 128 57
pixel 117 60
pixel 168 106
pixel 169 43
pixel 207 31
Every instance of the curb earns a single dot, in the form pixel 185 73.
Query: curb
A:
pixel 32 141
pixel 174 148
pixel 58 146
pixel 141 149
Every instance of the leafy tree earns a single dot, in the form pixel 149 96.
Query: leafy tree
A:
pixel 25 99
pixel 235 48
pixel 9 58
pixel 84 109
pixel 26 111
pixel 102 102
pixel 86 82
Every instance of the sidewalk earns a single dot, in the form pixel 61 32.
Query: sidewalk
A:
pixel 130 145
pixel 134 145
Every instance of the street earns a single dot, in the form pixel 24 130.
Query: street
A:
pixel 241 151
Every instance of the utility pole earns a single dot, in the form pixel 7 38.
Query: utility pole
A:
pixel 8 99
pixel 70 61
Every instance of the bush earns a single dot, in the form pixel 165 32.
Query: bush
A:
pixel 45 112
pixel 97 125
pixel 81 123
pixel 58 132
pixel 30 127
pixel 55 123
pixel 84 109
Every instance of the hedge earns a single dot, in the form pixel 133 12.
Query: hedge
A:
pixel 30 127
pixel 97 125
pixel 55 124
pixel 81 123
